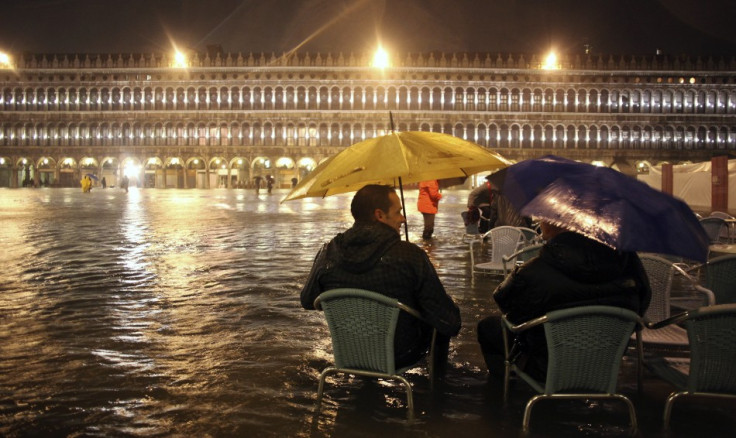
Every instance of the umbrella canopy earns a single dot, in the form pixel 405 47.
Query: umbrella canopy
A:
pixel 399 157
pixel 92 175
pixel 605 205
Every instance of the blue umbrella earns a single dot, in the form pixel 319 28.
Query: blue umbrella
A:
pixel 605 205
pixel 91 175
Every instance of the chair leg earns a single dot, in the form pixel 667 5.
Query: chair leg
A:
pixel 632 411
pixel 668 409
pixel 409 399
pixel 528 412
pixel 321 386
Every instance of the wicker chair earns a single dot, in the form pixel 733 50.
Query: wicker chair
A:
pixel 661 273
pixel 504 241
pixel 362 326
pixel 520 257
pixel 720 277
pixel 531 237
pixel 585 346
pixel 715 228
pixel 712 334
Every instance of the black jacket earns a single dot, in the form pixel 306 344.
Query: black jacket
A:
pixel 372 256
pixel 571 270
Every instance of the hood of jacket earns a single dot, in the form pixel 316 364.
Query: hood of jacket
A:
pixel 583 259
pixel 359 249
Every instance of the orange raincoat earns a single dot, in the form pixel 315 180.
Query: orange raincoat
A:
pixel 429 196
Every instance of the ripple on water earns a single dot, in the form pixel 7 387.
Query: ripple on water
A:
pixel 176 312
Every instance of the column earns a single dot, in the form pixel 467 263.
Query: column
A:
pixel 667 178
pixel 719 185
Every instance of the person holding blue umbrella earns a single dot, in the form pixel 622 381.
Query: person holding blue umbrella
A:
pixel 571 270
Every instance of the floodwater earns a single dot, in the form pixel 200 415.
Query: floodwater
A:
pixel 176 313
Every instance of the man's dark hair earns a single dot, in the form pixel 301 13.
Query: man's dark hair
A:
pixel 368 199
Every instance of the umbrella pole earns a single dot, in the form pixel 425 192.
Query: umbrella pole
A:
pixel 403 205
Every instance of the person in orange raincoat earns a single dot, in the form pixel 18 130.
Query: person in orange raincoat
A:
pixel 427 202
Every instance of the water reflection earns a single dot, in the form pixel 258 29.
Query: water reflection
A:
pixel 175 312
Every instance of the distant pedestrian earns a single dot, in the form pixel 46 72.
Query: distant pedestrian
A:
pixel 86 184
pixel 269 183
pixel 427 203
pixel 258 184
pixel 124 183
pixel 293 182
pixel 104 183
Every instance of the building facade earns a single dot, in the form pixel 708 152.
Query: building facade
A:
pixel 225 120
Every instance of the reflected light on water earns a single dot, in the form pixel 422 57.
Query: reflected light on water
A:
pixel 176 313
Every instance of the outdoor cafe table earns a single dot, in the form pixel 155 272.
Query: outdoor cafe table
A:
pixel 720 249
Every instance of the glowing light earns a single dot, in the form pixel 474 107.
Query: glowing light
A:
pixel 380 59
pixel 550 62
pixel 4 60
pixel 180 60
pixel 598 163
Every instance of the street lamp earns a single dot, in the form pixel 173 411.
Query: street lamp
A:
pixel 381 59
pixel 550 62
pixel 180 60
pixel 5 60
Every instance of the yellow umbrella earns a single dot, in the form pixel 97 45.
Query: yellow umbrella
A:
pixel 396 158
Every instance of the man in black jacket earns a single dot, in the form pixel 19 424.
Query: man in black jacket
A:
pixel 372 256
pixel 571 270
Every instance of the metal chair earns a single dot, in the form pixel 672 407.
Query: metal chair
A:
pixel 728 235
pixel 714 227
pixel 504 241
pixel 531 237
pixel 661 273
pixel 585 346
pixel 362 326
pixel 720 277
pixel 520 257
pixel 712 334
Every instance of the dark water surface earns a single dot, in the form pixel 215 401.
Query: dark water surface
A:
pixel 176 313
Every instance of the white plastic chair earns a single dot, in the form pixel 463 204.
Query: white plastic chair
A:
pixel 504 241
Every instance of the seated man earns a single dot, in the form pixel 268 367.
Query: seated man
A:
pixel 372 256
pixel 571 270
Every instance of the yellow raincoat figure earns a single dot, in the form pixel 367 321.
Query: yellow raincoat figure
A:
pixel 86 184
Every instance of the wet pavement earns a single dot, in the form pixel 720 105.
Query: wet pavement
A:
pixel 176 313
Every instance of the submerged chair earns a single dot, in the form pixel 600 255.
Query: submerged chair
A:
pixel 720 277
pixel 712 334
pixel 585 345
pixel 520 257
pixel 362 326
pixel 504 241
pixel 661 273
pixel 714 227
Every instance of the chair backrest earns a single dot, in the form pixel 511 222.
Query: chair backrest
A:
pixel 362 326
pixel 720 277
pixel 585 347
pixel 504 241
pixel 660 273
pixel 712 333
pixel 530 236
pixel 521 256
pixel 721 215
pixel 714 227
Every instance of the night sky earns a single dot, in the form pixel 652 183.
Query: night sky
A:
pixel 695 27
